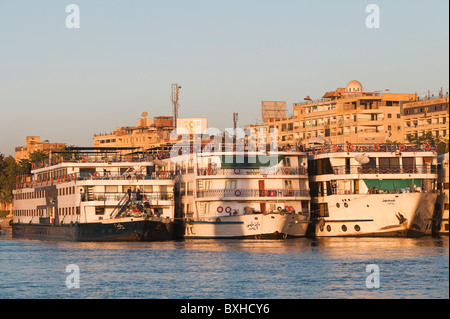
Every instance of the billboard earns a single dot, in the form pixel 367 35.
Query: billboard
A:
pixel 273 110
pixel 192 125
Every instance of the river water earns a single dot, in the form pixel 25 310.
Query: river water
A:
pixel 226 269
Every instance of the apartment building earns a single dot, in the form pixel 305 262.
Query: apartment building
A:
pixel 427 115
pixel 347 114
pixel 33 144
pixel 146 134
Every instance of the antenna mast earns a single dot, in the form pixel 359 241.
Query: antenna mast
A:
pixel 174 94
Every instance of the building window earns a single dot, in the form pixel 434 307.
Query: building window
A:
pixel 389 115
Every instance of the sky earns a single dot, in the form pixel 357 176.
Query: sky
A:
pixel 67 84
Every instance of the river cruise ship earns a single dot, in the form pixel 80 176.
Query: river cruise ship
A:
pixel 95 195
pixel 231 193
pixel 442 202
pixel 373 190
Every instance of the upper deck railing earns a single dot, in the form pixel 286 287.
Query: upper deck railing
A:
pixel 278 171
pixel 369 148
pixel 95 176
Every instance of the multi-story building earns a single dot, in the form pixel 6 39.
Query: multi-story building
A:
pixel 345 115
pixel 427 115
pixel 145 134
pixel 353 115
pixel 33 144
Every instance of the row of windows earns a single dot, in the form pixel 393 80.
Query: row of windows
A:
pixel 46 193
pixel 425 109
pixel 42 212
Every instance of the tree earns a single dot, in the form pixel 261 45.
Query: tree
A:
pixel 8 171
pixel 442 145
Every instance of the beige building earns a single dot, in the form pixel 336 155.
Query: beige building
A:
pixel 345 115
pixel 33 144
pixel 428 115
pixel 145 134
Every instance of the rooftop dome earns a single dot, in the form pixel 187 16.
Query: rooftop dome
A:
pixel 354 86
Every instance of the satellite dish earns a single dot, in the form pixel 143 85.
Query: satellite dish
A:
pixel 144 114
pixel 362 159
pixel 318 140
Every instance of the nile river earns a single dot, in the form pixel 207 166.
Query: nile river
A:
pixel 227 269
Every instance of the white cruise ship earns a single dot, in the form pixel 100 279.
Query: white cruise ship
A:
pixel 373 190
pixel 97 196
pixel 442 202
pixel 235 194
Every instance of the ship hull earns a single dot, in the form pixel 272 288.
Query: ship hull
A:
pixel 270 226
pixel 121 230
pixel 384 215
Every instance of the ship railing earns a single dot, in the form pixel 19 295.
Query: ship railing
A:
pixel 375 147
pixel 291 193
pixel 418 169
pixel 336 191
pixel 253 171
pixel 105 175
pixel 119 196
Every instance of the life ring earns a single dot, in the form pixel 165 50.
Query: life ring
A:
pixel 96 175
pixel 335 148
pixel 402 147
pixel 237 193
pixel 376 147
pixel 237 171
pixel 228 209
pixel 350 147
pixel 211 171
pixel 322 149
pixel 129 158
pixel 427 146
pixel 163 175
pixel 85 158
pixel 286 171
pixel 219 209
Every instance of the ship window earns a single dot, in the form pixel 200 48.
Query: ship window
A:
pixel 230 185
pixel 389 162
pixel 408 162
pixel 287 162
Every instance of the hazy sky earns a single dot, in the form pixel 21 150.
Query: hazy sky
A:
pixel 67 84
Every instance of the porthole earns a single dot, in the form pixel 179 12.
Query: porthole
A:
pixel 338 205
pixel 346 205
pixel 328 228
pixel 357 228
pixel 344 228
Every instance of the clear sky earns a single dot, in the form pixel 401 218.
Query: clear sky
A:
pixel 65 85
